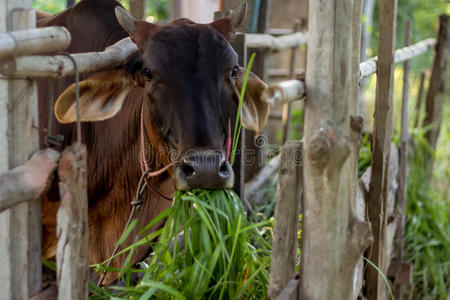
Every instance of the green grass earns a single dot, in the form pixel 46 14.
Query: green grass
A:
pixel 224 257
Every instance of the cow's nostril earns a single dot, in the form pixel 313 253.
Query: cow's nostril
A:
pixel 224 171
pixel 187 170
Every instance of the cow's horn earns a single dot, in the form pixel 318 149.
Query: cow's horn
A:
pixel 126 20
pixel 237 15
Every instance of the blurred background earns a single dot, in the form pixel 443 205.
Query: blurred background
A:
pixel 428 203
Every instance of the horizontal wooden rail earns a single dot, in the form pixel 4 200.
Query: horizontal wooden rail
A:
pixel 291 90
pixel 61 65
pixel 32 41
pixel 369 67
pixel 29 181
pixel 255 40
pixel 284 92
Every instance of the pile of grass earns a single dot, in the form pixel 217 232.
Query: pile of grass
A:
pixel 221 256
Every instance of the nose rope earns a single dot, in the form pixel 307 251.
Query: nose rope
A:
pixel 144 164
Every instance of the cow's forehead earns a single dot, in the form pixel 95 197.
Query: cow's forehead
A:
pixel 188 48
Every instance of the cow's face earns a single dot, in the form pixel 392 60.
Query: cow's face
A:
pixel 192 79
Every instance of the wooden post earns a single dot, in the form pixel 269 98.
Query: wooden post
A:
pixel 402 174
pixel 333 238
pixel 137 9
pixel 72 255
pixel 286 117
pixel 20 235
pixel 418 108
pixel 284 244
pixel 436 92
pixel 379 183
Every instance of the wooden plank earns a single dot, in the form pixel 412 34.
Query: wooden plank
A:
pixel 436 92
pixel 20 246
pixel 286 120
pixel 260 40
pixel 137 9
pixel 253 188
pixel 382 132
pixel 290 292
pixel 31 41
pixel 29 181
pixel 285 240
pixel 402 174
pixel 72 255
pixel 419 101
pixel 331 228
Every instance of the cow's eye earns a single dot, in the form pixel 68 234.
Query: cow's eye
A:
pixel 234 72
pixel 147 73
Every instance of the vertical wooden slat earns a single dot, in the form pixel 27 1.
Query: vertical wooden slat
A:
pixel 137 9
pixel 284 244
pixel 72 254
pixel 402 173
pixel 286 117
pixel 378 188
pixel 20 237
pixel 436 92
pixel 333 238
pixel 420 94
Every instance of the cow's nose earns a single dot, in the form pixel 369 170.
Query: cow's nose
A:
pixel 204 169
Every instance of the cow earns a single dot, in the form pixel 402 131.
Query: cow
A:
pixel 169 104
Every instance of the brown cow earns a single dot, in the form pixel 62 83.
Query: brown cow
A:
pixel 171 102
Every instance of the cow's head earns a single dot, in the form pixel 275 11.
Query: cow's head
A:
pixel 192 81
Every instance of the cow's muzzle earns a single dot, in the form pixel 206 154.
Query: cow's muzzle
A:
pixel 204 169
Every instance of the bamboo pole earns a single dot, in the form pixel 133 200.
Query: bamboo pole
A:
pixel 436 92
pixel 259 40
pixel 20 237
pixel 29 181
pixel 284 244
pixel 31 41
pixel 61 65
pixel 333 237
pixel 284 92
pixel 402 174
pixel 369 67
pixel 379 183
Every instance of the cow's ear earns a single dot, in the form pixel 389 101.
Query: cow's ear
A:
pixel 139 31
pixel 101 97
pixel 227 26
pixel 254 111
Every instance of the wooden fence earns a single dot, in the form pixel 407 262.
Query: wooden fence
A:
pixel 325 162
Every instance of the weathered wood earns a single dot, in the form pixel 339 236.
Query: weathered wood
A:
pixel 60 65
pixel 31 41
pixel 286 120
pixel 254 187
pixel 29 181
pixel 284 92
pixel 331 228
pixel 258 40
pixel 20 235
pixel 137 9
pixel 72 255
pixel 285 240
pixel 401 271
pixel 419 101
pixel 290 291
pixel 369 67
pixel 50 293
pixel 402 174
pixel 436 92
pixel 382 132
